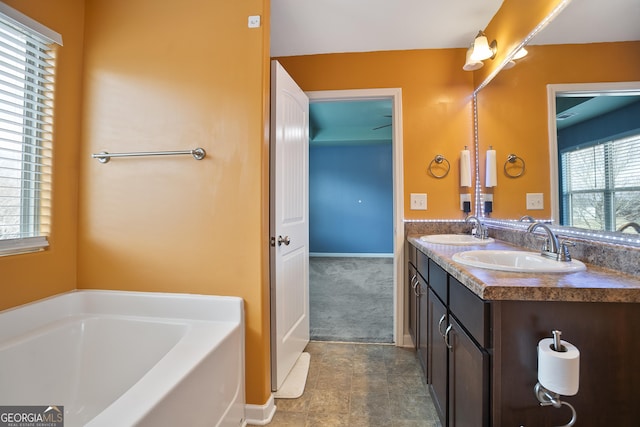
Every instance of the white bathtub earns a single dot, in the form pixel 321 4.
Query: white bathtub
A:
pixel 127 358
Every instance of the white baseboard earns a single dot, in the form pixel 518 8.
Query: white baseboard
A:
pixel 260 415
pixel 350 255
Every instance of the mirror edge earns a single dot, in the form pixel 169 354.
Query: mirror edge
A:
pixel 478 209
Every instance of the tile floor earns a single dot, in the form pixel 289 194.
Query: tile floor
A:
pixel 355 385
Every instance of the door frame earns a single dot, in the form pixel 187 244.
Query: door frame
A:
pixel 395 94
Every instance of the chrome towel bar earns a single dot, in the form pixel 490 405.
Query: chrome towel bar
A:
pixel 104 157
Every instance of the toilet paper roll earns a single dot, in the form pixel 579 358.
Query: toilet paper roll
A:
pixel 559 371
pixel 465 168
pixel 491 175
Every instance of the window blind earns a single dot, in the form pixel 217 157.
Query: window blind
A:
pixel 601 184
pixel 27 65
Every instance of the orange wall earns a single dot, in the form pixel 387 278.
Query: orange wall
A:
pixel 30 277
pixel 436 110
pixel 512 112
pixel 166 75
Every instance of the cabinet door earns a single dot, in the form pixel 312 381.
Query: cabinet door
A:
pixel 468 380
pixel 423 322
pixel 437 358
pixel 412 309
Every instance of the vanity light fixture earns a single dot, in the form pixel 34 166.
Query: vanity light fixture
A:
pixel 519 54
pixel 482 49
pixel 471 64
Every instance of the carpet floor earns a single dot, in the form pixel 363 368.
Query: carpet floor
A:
pixel 351 299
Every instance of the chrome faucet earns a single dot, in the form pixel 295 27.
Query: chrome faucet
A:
pixel 552 248
pixel 481 230
pixel 633 225
pixel 527 218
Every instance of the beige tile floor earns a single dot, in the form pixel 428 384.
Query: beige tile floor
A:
pixel 355 385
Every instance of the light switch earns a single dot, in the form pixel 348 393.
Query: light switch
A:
pixel 418 202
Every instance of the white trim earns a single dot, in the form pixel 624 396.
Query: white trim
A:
pixel 398 188
pixel 23 245
pixel 21 20
pixel 260 415
pixel 577 89
pixel 348 255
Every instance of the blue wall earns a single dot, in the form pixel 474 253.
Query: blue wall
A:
pixel 351 199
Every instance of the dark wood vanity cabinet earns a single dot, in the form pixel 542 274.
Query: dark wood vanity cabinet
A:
pixel 468 379
pixel 481 356
pixel 412 299
pixel 412 306
pixel 452 329
pixel 417 309
pixel 423 330
pixel 438 354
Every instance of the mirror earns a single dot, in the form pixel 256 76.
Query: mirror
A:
pixel 516 111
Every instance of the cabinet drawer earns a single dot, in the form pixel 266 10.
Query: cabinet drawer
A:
pixel 438 281
pixel 470 310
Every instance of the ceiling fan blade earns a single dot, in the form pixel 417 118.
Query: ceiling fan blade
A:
pixel 380 127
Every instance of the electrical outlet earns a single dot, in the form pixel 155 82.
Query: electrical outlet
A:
pixel 418 202
pixel 464 198
pixel 535 201
pixel 254 21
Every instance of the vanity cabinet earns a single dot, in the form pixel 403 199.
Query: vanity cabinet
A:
pixel 482 353
pixel 438 357
pixel 417 308
pixel 468 357
pixel 423 329
pixel 412 299
pixel 453 332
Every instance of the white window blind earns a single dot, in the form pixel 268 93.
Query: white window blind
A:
pixel 27 65
pixel 601 184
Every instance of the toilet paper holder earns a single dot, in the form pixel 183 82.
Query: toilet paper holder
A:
pixel 548 397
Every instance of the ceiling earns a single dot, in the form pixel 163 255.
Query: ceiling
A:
pixel 572 110
pixel 350 122
pixel 306 27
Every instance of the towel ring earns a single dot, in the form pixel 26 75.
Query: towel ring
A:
pixel 513 159
pixel 439 160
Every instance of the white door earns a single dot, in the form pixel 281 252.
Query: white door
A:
pixel 289 226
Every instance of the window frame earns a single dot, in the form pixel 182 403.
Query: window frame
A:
pixel 607 190
pixel 8 246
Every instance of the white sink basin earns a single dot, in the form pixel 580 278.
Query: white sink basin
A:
pixel 518 261
pixel 455 239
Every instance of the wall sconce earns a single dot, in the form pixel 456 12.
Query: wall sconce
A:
pixel 519 54
pixel 470 64
pixel 482 49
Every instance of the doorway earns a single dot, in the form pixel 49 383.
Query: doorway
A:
pixel 381 256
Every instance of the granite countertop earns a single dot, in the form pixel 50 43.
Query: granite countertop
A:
pixel 596 284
